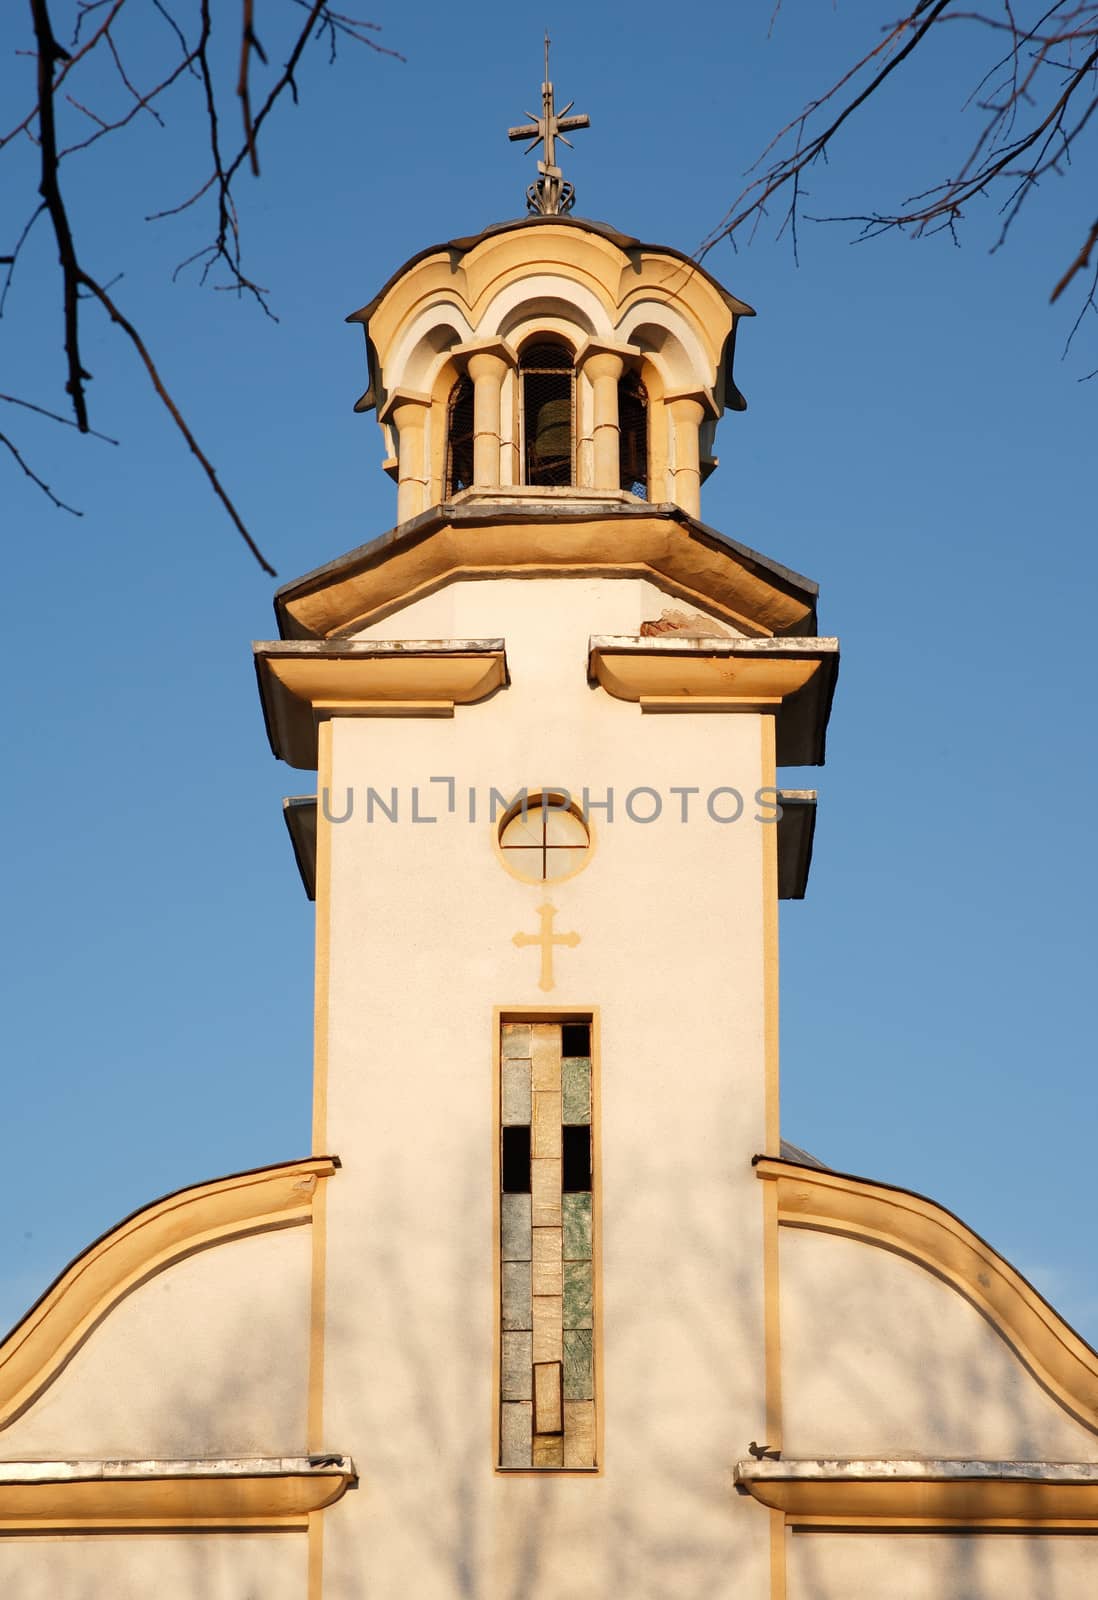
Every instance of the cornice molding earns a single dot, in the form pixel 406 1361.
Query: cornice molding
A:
pixel 563 533
pixel 302 682
pixel 989 1496
pixel 794 678
pixel 251 1493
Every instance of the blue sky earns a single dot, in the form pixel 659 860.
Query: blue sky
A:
pixel 913 442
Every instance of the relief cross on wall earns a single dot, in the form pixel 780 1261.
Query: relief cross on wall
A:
pixel 546 938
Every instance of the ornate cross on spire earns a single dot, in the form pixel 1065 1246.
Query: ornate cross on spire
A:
pixel 552 195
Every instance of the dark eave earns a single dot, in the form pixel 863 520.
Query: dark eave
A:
pixel 471 513
pixel 794 855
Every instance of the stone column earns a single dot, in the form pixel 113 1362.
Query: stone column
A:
pixel 604 369
pixel 487 371
pixel 659 422
pixel 408 415
pixel 686 413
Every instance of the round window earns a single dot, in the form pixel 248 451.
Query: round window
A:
pixel 544 837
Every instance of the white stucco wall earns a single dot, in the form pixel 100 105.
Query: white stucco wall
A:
pixel 208 1358
pixel 151 1566
pixel 458 605
pixel 879 1358
pixel 836 1566
pixel 422 918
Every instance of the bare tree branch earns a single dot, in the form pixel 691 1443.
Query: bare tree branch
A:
pixel 41 482
pixel 11 261
pixel 248 43
pixel 1080 264
pixel 95 34
pixel 54 416
pixel 1035 100
pixel 139 345
pixel 49 53
pixel 752 200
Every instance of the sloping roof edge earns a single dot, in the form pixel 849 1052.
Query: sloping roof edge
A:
pixel 428 522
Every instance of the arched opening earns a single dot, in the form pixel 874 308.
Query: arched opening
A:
pixel 633 434
pixel 459 437
pixel 548 415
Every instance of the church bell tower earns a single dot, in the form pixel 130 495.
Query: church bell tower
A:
pixel 546 711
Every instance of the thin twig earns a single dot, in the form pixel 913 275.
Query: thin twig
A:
pixel 10 261
pixel 1080 264
pixel 1028 132
pixel 54 416
pixel 139 345
pixel 61 505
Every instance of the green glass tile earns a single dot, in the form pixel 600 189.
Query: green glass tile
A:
pixel 516 1366
pixel 579 1380
pixel 576 1083
pixel 515 1227
pixel 516 1041
pixel 515 1093
pixel 517 1306
pixel 577 1294
pixel 516 1428
pixel 576 1210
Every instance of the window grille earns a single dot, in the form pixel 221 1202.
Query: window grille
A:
pixel 544 837
pixel 549 415
pixel 633 433
pixel 459 437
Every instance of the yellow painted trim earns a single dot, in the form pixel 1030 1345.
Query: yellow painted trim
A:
pixel 730 704
pixel 658 677
pixel 926 1233
pixel 655 547
pixel 323 940
pixel 314 1425
pixel 325 709
pixel 772 1329
pixel 771 993
pixel 988 1504
pixel 772 1326
pixel 777 1556
pixel 596 1236
pixel 140 1247
pixel 181 1502
pixel 499 1016
pixel 315 1558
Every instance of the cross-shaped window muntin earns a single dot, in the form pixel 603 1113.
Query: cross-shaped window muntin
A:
pixel 544 838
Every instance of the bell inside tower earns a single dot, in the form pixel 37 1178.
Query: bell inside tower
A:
pixel 549 408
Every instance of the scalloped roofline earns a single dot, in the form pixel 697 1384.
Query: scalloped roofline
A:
pixel 624 241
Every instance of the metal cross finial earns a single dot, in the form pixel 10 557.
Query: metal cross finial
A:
pixel 552 195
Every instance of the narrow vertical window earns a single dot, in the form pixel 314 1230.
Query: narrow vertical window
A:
pixel 548 415
pixel 547 1324
pixel 459 437
pixel 633 434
